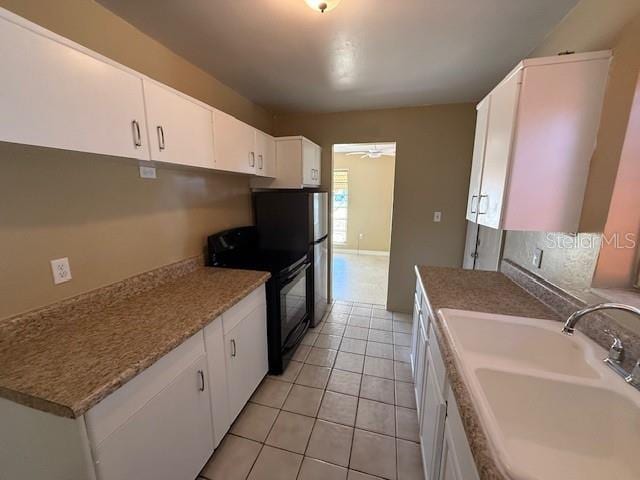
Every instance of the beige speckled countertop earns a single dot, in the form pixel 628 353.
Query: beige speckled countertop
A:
pixel 65 360
pixel 490 292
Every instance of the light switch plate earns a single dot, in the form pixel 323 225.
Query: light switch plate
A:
pixel 147 172
pixel 61 270
pixel 537 257
pixel 437 216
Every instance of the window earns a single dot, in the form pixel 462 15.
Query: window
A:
pixel 340 205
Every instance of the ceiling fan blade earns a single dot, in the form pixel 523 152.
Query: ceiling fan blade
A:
pixel 355 153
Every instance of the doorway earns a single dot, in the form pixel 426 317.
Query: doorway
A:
pixel 362 209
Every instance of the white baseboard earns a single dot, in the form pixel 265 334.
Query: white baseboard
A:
pixel 361 252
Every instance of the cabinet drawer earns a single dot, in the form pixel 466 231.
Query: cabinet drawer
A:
pixel 103 419
pixel 235 314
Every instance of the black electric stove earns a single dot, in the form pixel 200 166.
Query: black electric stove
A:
pixel 288 302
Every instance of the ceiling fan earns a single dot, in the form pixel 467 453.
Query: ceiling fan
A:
pixel 376 151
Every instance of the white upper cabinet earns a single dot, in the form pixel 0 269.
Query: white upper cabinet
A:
pixel 535 135
pixel 180 129
pixel 504 100
pixel 308 162
pixel 311 161
pixel 56 93
pixel 478 158
pixel 297 164
pixel 53 94
pixel 265 148
pixel 234 144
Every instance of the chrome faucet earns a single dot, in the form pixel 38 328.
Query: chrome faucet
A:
pixel 616 351
pixel 569 325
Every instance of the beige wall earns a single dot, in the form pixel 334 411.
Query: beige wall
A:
pixel 617 263
pixel 597 25
pixel 613 126
pixel 592 25
pixel 370 200
pixel 433 160
pixel 95 209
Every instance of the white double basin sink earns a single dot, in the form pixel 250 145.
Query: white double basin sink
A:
pixel 549 405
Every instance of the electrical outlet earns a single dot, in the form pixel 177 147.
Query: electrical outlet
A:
pixel 147 172
pixel 537 257
pixel 361 236
pixel 437 216
pixel 61 270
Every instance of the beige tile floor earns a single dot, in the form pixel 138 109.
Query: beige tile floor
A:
pixel 343 410
pixel 360 278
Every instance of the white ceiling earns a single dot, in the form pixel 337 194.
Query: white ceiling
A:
pixel 364 54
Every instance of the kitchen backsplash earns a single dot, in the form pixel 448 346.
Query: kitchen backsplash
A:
pixel 568 261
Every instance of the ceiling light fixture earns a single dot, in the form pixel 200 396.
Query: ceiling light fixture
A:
pixel 322 5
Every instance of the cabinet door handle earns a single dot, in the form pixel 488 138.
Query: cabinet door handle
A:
pixel 201 375
pixel 260 162
pixel 474 198
pixel 160 131
pixel 252 159
pixel 480 203
pixel 233 348
pixel 137 139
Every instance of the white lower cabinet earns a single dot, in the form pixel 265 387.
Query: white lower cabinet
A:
pixel 158 425
pixel 164 424
pixel 170 437
pixel 457 461
pixel 246 349
pixel 432 422
pixel 414 334
pixel 422 363
pixel 449 467
pixel 214 344
pixel 444 447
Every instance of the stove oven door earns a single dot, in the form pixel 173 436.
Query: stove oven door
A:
pixel 294 308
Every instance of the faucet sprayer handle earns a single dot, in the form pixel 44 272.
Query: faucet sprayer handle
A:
pixel 616 351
